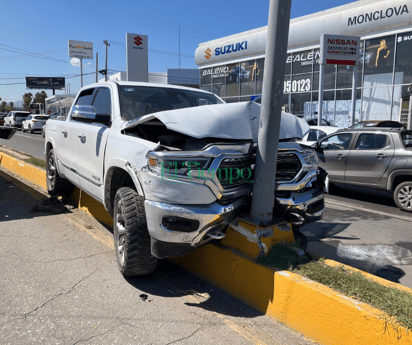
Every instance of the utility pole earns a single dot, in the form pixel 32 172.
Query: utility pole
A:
pixel 97 67
pixel 179 45
pixel 81 72
pixel 106 42
pixel 263 197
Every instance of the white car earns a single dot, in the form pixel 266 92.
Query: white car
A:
pixel 316 133
pixel 34 123
pixel 15 118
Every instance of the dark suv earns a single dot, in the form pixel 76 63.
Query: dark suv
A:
pixel 379 158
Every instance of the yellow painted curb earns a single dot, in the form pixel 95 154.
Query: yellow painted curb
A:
pixel 306 306
pixel 25 170
pixel 309 307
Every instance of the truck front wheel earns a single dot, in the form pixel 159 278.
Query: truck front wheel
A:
pixel 131 237
pixel 55 184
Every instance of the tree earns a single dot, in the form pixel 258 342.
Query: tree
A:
pixel 40 97
pixel 27 99
pixel 3 105
pixel 11 104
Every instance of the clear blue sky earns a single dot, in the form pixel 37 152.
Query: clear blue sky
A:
pixel 45 26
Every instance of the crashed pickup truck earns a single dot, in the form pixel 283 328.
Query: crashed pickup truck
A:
pixel 173 166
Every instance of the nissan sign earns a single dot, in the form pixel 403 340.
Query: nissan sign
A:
pixel 339 50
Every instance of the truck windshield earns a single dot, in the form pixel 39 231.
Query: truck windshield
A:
pixel 136 101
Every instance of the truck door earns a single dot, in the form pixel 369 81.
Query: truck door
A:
pixel 92 137
pixel 332 154
pixel 367 162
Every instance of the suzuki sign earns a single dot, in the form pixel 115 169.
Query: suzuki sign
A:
pixel 137 59
pixel 339 50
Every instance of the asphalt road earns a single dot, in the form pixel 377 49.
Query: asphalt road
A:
pixel 32 144
pixel 60 285
pixel 364 229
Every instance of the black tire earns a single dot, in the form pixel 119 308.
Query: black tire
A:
pixel 55 184
pixel 403 196
pixel 131 237
pixel 30 130
pixel 43 134
pixel 22 129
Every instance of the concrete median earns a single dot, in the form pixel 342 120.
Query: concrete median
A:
pixel 313 309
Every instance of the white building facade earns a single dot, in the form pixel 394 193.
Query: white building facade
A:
pixel 232 67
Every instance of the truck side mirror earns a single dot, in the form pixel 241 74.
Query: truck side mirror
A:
pixel 86 112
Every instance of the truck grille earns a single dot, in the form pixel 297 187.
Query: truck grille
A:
pixel 288 166
pixel 235 172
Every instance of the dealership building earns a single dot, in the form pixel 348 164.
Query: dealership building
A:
pixel 232 67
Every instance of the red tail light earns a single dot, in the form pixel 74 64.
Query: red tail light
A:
pixel 34 121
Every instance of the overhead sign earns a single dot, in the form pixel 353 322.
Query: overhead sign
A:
pixel 339 50
pixel 137 58
pixel 45 83
pixel 80 49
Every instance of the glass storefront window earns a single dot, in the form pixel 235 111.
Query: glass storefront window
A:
pixel 260 65
pixel 299 83
pixel 301 103
pixel 247 80
pixel 218 77
pixel 343 109
pixel 235 74
pixel 403 66
pixel 329 78
pixel 328 105
pixel 376 103
pixel 302 62
pixel 379 55
pixel 288 65
pixel 345 75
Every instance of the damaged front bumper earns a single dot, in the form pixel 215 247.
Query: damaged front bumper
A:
pixel 303 202
pixel 178 229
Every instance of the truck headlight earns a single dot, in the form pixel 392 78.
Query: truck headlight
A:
pixel 169 166
pixel 309 155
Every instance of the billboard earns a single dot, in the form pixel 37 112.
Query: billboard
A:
pixel 80 49
pixel 339 50
pixel 137 59
pixel 45 83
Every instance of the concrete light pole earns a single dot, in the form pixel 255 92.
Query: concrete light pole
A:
pixel 268 138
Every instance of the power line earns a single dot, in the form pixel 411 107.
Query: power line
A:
pixel 154 51
pixel 28 53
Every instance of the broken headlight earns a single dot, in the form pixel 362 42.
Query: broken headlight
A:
pixel 173 165
pixel 309 155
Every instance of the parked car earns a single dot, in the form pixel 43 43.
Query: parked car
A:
pixel 15 118
pixel 163 159
pixel 378 158
pixel 377 123
pixel 313 121
pixel 34 123
pixel 317 133
pixel 2 119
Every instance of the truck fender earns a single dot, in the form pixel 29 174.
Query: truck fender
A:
pixel 395 174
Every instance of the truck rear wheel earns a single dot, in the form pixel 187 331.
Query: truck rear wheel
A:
pixel 55 184
pixel 403 196
pixel 131 237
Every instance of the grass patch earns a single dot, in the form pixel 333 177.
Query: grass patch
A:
pixel 36 162
pixel 283 256
pixel 397 304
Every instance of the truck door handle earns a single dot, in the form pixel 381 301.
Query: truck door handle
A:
pixel 64 132
pixel 82 136
pixel 340 156
pixel 380 156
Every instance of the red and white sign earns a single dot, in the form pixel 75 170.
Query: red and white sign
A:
pixel 339 50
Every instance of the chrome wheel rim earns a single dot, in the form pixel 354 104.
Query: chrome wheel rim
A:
pixel 51 171
pixel 121 232
pixel 405 197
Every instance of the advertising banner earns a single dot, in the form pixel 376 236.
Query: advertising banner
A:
pixel 45 83
pixel 137 58
pixel 80 49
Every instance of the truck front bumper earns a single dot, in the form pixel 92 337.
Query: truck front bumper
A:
pixel 196 224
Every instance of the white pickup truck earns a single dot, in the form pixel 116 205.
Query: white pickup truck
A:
pixel 173 166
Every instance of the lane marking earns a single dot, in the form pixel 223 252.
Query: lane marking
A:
pixel 352 206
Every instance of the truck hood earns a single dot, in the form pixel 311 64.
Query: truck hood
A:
pixel 239 121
